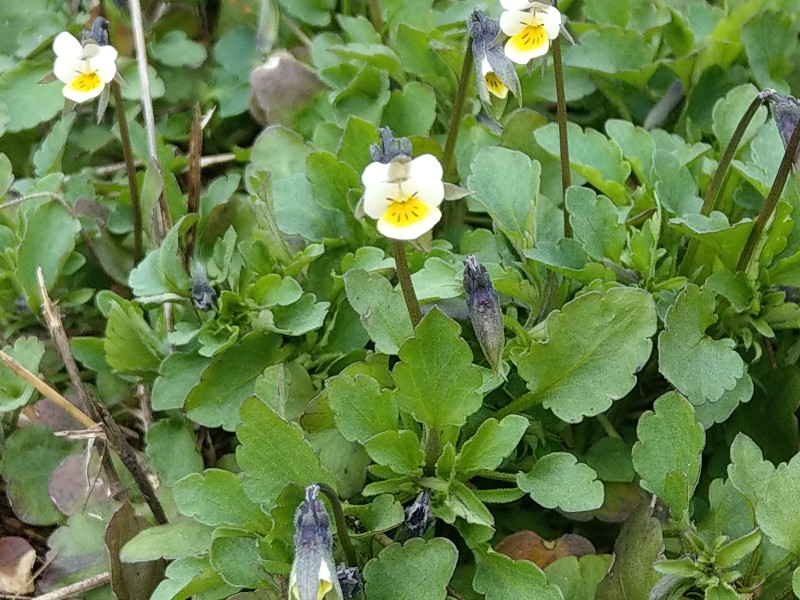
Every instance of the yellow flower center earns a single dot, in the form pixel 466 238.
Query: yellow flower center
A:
pixel 530 38
pixel 407 211
pixel 86 82
pixel 494 85
pixel 324 588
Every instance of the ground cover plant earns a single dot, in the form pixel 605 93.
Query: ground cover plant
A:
pixel 399 299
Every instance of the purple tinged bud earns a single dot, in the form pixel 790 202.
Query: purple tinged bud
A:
pixel 350 580
pixel 483 304
pixel 418 517
pixel 389 147
pixel 98 33
pixel 786 113
pixel 203 295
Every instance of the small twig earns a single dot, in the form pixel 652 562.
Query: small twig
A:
pixel 404 275
pixel 194 183
pixel 130 167
pixel 298 33
pixel 33 196
pixel 75 589
pixel 46 390
pixel 205 162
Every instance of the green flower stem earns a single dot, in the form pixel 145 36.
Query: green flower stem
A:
pixel 498 476
pixel 130 167
pixel 341 525
pixel 517 406
pixel 608 427
pixel 710 199
pixel 767 210
pixel 404 275
pixel 457 112
pixel 563 140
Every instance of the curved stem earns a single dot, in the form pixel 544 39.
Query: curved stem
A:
pixel 454 125
pixel 404 275
pixel 563 140
pixel 341 525
pixel 772 200
pixel 130 168
pixel 710 199
pixel 375 14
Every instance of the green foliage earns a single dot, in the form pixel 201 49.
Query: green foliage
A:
pixel 558 480
pixel 14 391
pixel 501 578
pixel 417 569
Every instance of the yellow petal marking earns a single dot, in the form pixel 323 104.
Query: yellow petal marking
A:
pixel 86 82
pixel 530 38
pixel 494 85
pixel 324 588
pixel 405 212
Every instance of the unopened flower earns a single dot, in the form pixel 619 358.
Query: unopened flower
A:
pixel 419 516
pixel 203 295
pixel 85 69
pixel 403 194
pixel 483 304
pixel 494 72
pixel 530 27
pixel 350 580
pixel 786 113
pixel 313 575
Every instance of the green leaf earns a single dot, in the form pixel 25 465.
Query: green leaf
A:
pixel 47 159
pixel 412 110
pixel 568 257
pixel 670 441
pixel 347 462
pixel 796 582
pixel 239 563
pixel 637 146
pixel 578 578
pixel 162 271
pixel 638 546
pixel 413 46
pixel 595 223
pixel 714 230
pixel 6 174
pixel 172 450
pixel 382 310
pixel 313 12
pixel 506 184
pixel 29 458
pixel 178 374
pixel 463 503
pixel 230 379
pixel 173 540
pixel 558 480
pixel 191 576
pixel 274 454
pixel 611 459
pixel 613 50
pixel 131 346
pixel 761 35
pixel 500 578
pixel 728 112
pixel 593 156
pixel 732 553
pixel 359 407
pixel 700 367
pixel 18 86
pixel 573 372
pixel 675 187
pixel 366 95
pixel 14 392
pixel 216 497
pixel 438 280
pixel 490 445
pixel 382 514
pixel 776 513
pixel 749 473
pixel 436 380
pixel 175 49
pixel 398 450
pixel 48 239
pixel 417 570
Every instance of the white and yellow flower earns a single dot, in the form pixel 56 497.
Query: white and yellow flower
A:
pixel 493 84
pixel 404 195
pixel 84 69
pixel 313 575
pixel 530 27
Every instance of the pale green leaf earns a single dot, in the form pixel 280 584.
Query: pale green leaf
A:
pixel 15 392
pixel 398 450
pixel 777 513
pixel 417 570
pixel 749 472
pixel 558 480
pixel 490 444
pixel 173 540
pixel 501 578
pixel 359 407
pixel 172 450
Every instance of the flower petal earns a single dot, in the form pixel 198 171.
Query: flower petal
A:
pixel 412 231
pixel 513 22
pixel 524 47
pixel 551 21
pixel 103 64
pixel 375 173
pixel 378 197
pixel 65 45
pixel 425 166
pixel 430 191
pixel 79 95
pixel 515 4
pixel 67 69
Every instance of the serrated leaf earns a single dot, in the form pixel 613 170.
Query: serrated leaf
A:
pixel 490 444
pixel 274 454
pixel 238 562
pixel 359 407
pixel 595 223
pixel 675 187
pixel 749 472
pixel 178 374
pixel 463 503
pixel 558 480
pixel 637 146
pixel 700 367
pixel 728 111
pixel 417 570
pixel 398 450
pixel 170 541
pixel 436 380
pixel 578 577
pixel 47 159
pixel 593 156
pixel 776 512
pixel 506 184
pixel 670 441
pixel 594 346
pixel 190 576
pixel 216 497
pixel 15 392
pixel 131 346
pixel 732 553
pixel 412 110
pixel 382 310
pixel 172 450
pixel 715 231
pixel 230 379
pixel 500 578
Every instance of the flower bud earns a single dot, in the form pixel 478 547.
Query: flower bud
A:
pixel 350 580
pixel 313 575
pixel 484 310
pixel 418 517
pixel 786 112
pixel 203 295
pixel 389 147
